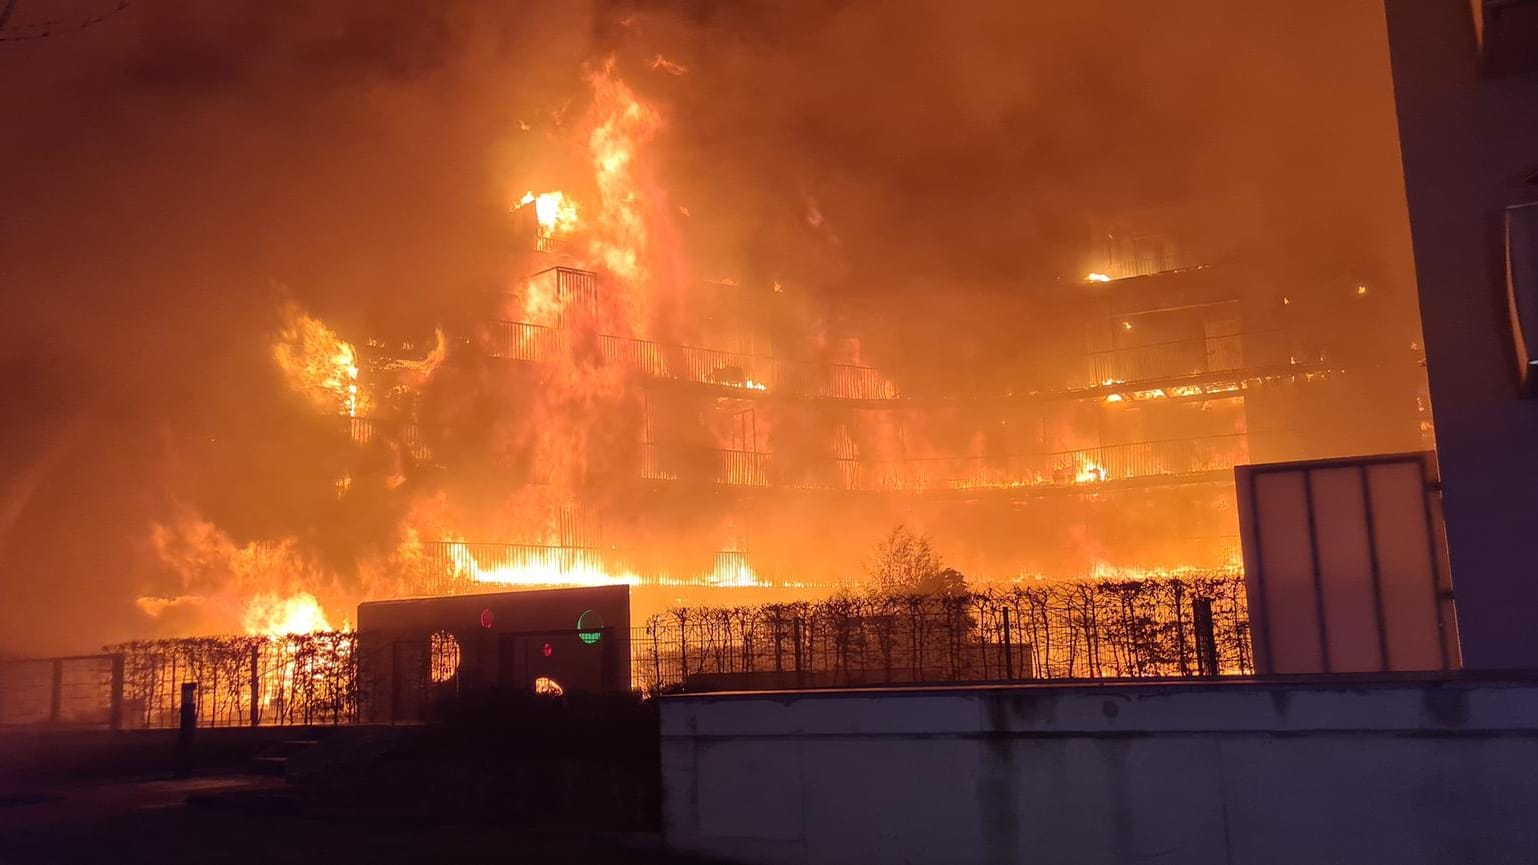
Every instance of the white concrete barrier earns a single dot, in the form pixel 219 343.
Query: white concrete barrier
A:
pixel 1242 773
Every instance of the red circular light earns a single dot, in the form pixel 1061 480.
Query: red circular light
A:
pixel 487 619
pixel 549 650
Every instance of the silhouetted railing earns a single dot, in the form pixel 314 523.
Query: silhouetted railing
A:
pixel 77 691
pixel 1116 370
pixel 407 436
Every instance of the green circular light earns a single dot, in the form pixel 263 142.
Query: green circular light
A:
pixel 588 625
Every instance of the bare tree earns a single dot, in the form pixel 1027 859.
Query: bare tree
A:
pixel 905 563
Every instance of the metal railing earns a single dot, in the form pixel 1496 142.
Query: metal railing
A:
pixel 1085 467
pixel 1179 359
pixel 1113 370
pixel 409 437
pixel 454 567
pixel 242 681
pixel 534 343
pixel 516 340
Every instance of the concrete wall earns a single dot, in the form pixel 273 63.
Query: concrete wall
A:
pixel 1218 773
pixel 1468 143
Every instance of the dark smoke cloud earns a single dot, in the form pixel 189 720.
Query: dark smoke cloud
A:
pixel 173 174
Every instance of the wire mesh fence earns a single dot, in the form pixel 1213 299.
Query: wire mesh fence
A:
pixel 1091 629
pixel 83 690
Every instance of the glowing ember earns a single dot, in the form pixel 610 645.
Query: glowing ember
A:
pixel 1097 277
pixel 662 63
pixel 1090 472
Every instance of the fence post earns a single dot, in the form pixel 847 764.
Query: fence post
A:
pixel 56 692
pixel 395 680
pixel 795 635
pixel 1180 626
pixel 683 655
pixel 1009 661
pixel 115 711
pixel 779 650
pixel 256 686
pixel 189 719
pixel 1206 640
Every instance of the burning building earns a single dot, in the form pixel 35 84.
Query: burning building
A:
pixel 619 419
pixel 679 354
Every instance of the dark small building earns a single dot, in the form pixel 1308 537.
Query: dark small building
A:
pixel 414 650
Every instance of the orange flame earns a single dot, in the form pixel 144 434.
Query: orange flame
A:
pixel 1090 472
pixel 556 213
pixel 319 365
pixel 622 124
pixel 274 615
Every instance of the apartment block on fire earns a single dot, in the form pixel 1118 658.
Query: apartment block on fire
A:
pixel 738 441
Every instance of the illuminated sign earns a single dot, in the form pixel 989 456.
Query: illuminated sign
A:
pixel 588 627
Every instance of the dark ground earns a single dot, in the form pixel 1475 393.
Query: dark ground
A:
pixel 496 778
pixel 153 822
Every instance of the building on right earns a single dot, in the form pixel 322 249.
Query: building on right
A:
pixel 1465 76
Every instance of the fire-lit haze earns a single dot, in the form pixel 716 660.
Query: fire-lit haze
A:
pixel 307 305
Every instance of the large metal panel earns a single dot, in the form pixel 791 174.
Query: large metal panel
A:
pixel 1345 567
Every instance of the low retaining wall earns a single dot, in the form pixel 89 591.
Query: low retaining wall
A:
pixel 1232 772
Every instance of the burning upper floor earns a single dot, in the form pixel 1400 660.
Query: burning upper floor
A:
pixel 696 317
pixel 687 435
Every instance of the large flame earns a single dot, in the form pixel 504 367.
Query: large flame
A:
pixel 554 566
pixel 1090 472
pixel 319 365
pixel 556 213
pixel 622 124
pixel 274 615
pixel 623 234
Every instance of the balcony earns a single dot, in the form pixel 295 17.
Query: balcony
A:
pixel 1084 470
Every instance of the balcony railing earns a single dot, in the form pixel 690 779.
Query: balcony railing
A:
pixel 1085 468
pixel 1123 369
pixel 408 436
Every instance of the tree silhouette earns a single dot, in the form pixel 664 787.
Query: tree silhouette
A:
pixel 905 563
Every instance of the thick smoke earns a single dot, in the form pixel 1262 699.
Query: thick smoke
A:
pixel 178 173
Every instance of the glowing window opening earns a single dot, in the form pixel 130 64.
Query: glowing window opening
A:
pixel 444 656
